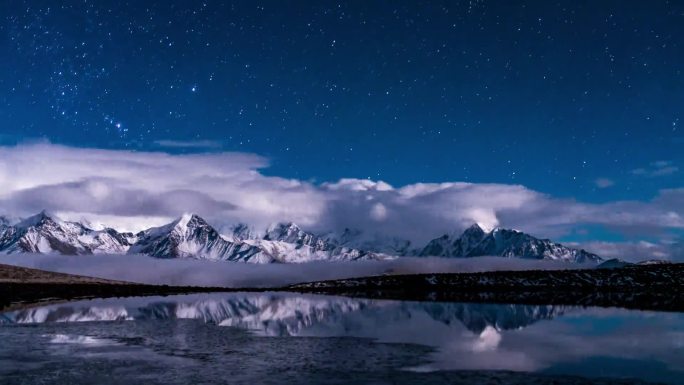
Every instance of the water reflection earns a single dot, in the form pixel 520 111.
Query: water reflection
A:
pixel 281 314
pixel 545 339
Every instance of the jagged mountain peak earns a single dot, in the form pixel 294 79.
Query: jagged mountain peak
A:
pixel 455 245
pixel 371 241
pixel 502 230
pixel 185 223
pixel 44 233
pixel 475 242
pixel 190 221
pixel 290 232
pixel 190 236
pixel 39 219
pixel 287 232
pixel 182 226
pixel 286 241
pixel 475 227
pixel 475 230
pixel 283 226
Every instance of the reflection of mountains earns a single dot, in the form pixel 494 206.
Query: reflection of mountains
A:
pixel 283 314
pixel 476 317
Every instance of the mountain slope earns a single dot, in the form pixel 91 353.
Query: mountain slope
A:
pixel 44 233
pixel 288 243
pixel 373 242
pixel 475 242
pixel 191 237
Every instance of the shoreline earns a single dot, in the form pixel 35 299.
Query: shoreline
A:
pixel 633 300
pixel 656 287
pixel 20 295
pixel 650 287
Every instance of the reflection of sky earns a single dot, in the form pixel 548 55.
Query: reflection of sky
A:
pixel 589 342
pixel 612 342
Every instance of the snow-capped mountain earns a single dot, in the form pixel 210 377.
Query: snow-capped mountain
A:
pixel 455 246
pixel 192 237
pixel 475 242
pixel 286 242
pixel 187 237
pixel 43 233
pixel 354 238
pixel 616 263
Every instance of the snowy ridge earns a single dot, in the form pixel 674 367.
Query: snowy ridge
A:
pixel 44 233
pixel 475 242
pixel 357 239
pixel 190 236
pixel 287 243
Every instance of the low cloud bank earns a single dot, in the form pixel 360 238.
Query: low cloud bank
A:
pixel 144 269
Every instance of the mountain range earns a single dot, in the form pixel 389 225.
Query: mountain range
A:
pixel 475 242
pixel 190 236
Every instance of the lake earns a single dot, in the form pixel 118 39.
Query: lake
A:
pixel 302 339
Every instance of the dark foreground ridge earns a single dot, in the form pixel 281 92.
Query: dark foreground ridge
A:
pixel 20 286
pixel 650 287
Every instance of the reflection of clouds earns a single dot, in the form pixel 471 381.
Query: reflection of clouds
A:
pixel 624 335
pixel 466 336
pixel 466 351
pixel 489 340
pixel 79 340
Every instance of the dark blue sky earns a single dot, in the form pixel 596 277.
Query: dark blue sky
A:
pixel 578 99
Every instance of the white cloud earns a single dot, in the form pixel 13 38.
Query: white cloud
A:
pixel 358 185
pixel 488 340
pixel 656 169
pixel 134 190
pixel 93 182
pixel 378 212
pixel 634 251
pixel 604 182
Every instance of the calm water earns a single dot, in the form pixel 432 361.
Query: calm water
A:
pixel 287 338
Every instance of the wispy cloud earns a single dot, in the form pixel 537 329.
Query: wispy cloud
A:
pixel 657 168
pixel 604 182
pixel 189 144
pixel 634 251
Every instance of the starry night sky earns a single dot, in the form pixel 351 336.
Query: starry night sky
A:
pixel 577 99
